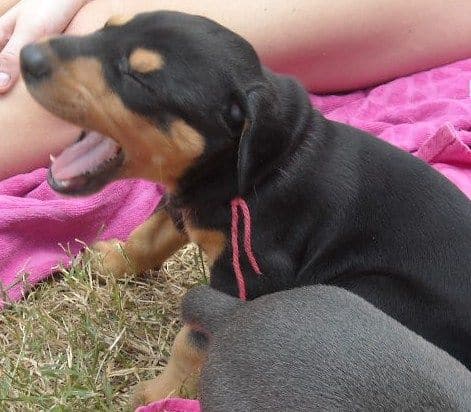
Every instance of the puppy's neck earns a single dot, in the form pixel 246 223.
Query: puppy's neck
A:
pixel 210 184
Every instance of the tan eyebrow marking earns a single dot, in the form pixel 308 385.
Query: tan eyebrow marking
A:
pixel 145 61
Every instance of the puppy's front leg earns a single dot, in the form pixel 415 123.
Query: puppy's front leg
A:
pixel 148 246
pixel 181 374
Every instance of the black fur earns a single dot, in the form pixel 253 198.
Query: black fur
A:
pixel 330 204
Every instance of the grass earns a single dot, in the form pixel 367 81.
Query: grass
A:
pixel 80 342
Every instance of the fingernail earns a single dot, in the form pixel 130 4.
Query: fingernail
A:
pixel 4 79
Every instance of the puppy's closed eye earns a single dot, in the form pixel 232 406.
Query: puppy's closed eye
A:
pixel 237 116
pixel 234 116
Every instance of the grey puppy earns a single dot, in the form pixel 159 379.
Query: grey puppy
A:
pixel 318 348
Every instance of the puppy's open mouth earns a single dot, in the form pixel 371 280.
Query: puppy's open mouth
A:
pixel 87 165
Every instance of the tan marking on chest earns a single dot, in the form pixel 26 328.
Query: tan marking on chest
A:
pixel 213 242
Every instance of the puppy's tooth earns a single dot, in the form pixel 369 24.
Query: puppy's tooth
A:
pixel 52 158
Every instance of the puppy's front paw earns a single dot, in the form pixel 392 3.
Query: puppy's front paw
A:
pixel 151 391
pixel 111 258
pixel 166 385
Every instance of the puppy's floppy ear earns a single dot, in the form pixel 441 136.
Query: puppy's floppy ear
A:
pixel 207 308
pixel 258 108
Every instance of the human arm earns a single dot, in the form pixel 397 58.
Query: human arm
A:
pixel 24 21
pixel 335 46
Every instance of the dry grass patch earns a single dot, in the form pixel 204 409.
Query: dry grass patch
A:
pixel 80 343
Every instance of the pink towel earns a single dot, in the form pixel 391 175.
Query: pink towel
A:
pixel 36 225
pixel 171 405
pixel 428 114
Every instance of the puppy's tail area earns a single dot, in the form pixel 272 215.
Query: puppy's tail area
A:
pixel 207 309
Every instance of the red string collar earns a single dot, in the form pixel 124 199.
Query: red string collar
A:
pixel 237 203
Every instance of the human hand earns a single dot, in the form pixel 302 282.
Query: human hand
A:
pixel 27 21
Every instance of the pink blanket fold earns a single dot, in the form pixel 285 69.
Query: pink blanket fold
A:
pixel 172 405
pixel 427 114
pixel 37 225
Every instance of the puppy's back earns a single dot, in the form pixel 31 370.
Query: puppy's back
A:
pixel 321 347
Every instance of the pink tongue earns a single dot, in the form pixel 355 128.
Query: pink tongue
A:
pixel 84 156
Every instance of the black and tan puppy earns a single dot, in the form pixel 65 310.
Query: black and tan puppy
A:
pixel 179 99
pixel 318 348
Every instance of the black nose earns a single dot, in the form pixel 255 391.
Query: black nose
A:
pixel 34 62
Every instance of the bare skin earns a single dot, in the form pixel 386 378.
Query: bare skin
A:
pixel 341 45
pixel 329 46
pixel 7 5
pixel 25 22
